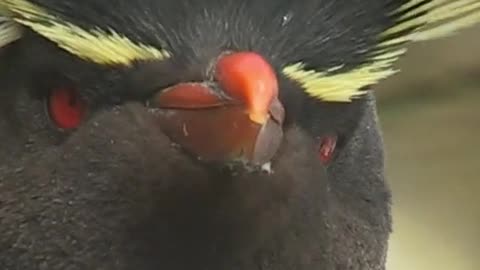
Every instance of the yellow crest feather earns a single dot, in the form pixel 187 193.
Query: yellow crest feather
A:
pixel 95 45
pixel 9 31
pixel 433 19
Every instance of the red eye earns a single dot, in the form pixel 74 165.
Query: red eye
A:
pixel 66 108
pixel 327 148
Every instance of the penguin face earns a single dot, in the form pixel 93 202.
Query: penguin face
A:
pixel 185 134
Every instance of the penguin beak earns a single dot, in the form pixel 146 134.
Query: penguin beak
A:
pixel 236 116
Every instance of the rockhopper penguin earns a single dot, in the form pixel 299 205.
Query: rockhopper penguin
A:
pixel 206 135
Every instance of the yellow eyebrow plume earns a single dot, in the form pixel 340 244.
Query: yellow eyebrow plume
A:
pixel 432 19
pixel 9 31
pixel 97 45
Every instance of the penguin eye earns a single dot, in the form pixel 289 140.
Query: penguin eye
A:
pixel 326 148
pixel 66 107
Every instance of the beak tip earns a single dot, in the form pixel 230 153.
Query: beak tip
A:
pixel 267 143
pixel 258 117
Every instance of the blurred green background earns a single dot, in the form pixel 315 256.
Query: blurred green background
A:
pixel 430 113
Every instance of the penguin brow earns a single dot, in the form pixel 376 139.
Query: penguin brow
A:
pixel 416 20
pixel 102 46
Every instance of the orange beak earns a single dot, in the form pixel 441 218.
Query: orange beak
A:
pixel 236 117
pixel 249 78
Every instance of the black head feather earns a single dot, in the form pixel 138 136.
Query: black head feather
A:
pixel 324 33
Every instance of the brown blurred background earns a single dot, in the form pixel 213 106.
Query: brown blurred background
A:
pixel 430 113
